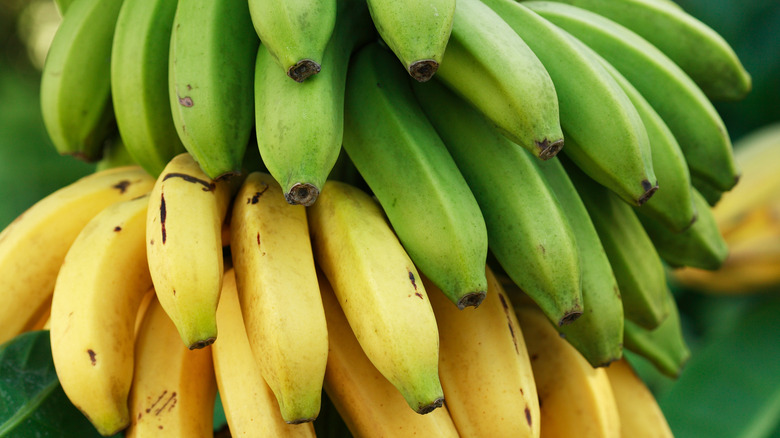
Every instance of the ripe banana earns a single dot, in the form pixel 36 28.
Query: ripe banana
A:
pixel 677 99
pixel 635 262
pixel 408 168
pixel 184 247
pixel 700 51
pixel 598 333
pixel 608 139
pixel 495 403
pixel 280 298
pixel 527 230
pixel 75 84
pixel 295 33
pixel 173 388
pixel 417 32
pixel 494 69
pixel 301 125
pixel 101 284
pixel 379 290
pixel 366 401
pixel 139 82
pixel 33 246
pixel 640 415
pixel 250 405
pixel 575 399
pixel 210 74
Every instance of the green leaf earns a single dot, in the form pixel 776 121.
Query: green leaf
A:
pixel 32 402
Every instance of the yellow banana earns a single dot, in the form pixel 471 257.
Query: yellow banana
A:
pixel 33 246
pixel 640 415
pixel 279 294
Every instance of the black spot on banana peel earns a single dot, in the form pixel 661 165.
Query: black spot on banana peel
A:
pixel 549 149
pixel 117 228
pixel 163 214
pixel 302 194
pixel 303 69
pixel 92 356
pixel 423 70
pixel 122 185
pixel 650 189
pixel 207 186
pixel 528 415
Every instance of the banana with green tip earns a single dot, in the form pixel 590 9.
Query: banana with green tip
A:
pixel 493 68
pixel 301 125
pixel 210 78
pixel 399 154
pixel 608 139
pixel 139 82
pixel 417 32
pixel 527 231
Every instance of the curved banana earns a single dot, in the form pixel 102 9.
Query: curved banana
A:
pixel 280 297
pixel 295 33
pixel 407 166
pixel 101 284
pixel 210 77
pixel 493 68
pixel 367 402
pixel 417 32
pixel 184 247
pixel 301 125
pixel 76 79
pixel 528 232
pixel 488 384
pixel 250 405
pixel 173 388
pixel 640 415
pixel 604 133
pixel 34 245
pixel 575 399
pixel 379 290
pixel 139 82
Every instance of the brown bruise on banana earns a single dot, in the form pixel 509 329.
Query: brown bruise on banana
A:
pixel 423 70
pixel 92 356
pixel 303 69
pixel 186 101
pixel 163 213
pixel 528 416
pixel 168 403
pixel 509 322
pixel 549 149
pixel 414 283
pixel 649 189
pixel 122 186
pixel 117 229
pixel 208 186
pixel 256 197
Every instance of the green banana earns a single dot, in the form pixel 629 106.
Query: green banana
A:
pixel 301 125
pixel 403 160
pixel 710 193
pixel 700 51
pixel 417 32
pixel 139 82
pixel 609 141
pixel 637 267
pixel 700 246
pixel 527 231
pixel 295 32
pixel 677 99
pixel 211 72
pixel 490 66
pixel 115 154
pixel 76 85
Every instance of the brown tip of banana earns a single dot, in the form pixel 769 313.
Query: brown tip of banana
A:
pixel 650 189
pixel 569 317
pixel 439 402
pixel 423 70
pixel 302 194
pixel 694 218
pixel 549 149
pixel 473 299
pixel 302 420
pixel 303 69
pixel 203 343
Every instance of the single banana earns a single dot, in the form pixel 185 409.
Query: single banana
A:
pixel 379 290
pixel 280 297
pixel 699 50
pixel 640 415
pixel 366 401
pixel 608 139
pixel 677 99
pixel 528 233
pixel 635 262
pixel 99 288
pixel 76 80
pixel 210 74
pixel 484 366
pixel 250 406
pixel 417 32
pixel 575 399
pixel 184 247
pixel 34 245
pixel 295 33
pixel 173 388
pixel 301 125
pixel 598 333
pixel 408 168
pixel 493 68
pixel 139 82
pixel 700 246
